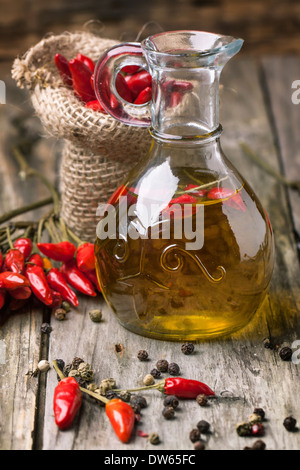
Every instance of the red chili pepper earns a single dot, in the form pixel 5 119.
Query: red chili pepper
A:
pixel 62 65
pixel 92 276
pixel 36 259
pixel 121 417
pixel 1 259
pixel 144 96
pixel 178 213
pixel 63 251
pixel 81 76
pixel 137 82
pixel 10 280
pixel 14 261
pixel 57 281
pixel 95 106
pixel 86 257
pixel 185 388
pixel 66 402
pixel 38 283
pixel 77 279
pixel 24 245
pixel 21 293
pixel 87 61
pixel 123 88
pixel 184 199
pixel 131 69
pixel 231 197
pixel 57 299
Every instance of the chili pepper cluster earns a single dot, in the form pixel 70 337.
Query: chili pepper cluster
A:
pixel 24 273
pixel 133 84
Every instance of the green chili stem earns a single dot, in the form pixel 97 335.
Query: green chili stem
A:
pixel 9 237
pixel 26 171
pixel 22 210
pixel 85 390
pixel 158 386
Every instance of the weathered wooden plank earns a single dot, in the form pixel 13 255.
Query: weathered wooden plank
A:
pixel 20 335
pixel 252 375
pixel 280 73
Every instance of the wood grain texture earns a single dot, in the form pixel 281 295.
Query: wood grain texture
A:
pixel 243 373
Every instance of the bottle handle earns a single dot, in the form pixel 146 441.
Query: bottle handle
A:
pixel 105 75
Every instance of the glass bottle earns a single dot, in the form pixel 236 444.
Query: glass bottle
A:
pixel 184 248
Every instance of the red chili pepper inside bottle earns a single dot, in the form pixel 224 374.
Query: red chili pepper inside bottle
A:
pixel 66 402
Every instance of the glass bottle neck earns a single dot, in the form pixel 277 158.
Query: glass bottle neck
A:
pixel 185 102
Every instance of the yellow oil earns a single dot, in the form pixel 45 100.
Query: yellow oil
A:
pixel 158 288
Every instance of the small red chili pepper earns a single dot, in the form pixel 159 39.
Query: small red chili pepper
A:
pixel 231 197
pixel 131 69
pixel 77 279
pixel 95 106
pixel 144 96
pixel 123 88
pixel 184 199
pixel 57 298
pixel 87 61
pixel 36 259
pixel 62 65
pixel 57 281
pixel 92 276
pixel 63 251
pixel 86 257
pixel 38 283
pixel 66 402
pixel 121 417
pixel 137 82
pixel 14 261
pixel 10 280
pixel 182 388
pixel 24 245
pixel 81 76
pixel 1 259
pixel 21 293
pixel 176 212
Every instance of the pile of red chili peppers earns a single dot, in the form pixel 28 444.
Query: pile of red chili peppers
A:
pixel 24 273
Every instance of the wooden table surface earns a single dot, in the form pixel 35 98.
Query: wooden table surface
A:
pixel 256 108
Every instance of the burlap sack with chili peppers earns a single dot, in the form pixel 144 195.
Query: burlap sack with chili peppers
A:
pixel 99 151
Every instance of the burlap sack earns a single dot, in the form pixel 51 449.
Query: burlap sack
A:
pixel 99 151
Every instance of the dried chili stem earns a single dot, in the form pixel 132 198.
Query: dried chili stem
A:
pixel 75 238
pixel 203 186
pixel 9 237
pixel 22 210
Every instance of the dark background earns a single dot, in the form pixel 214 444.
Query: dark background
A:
pixel 267 26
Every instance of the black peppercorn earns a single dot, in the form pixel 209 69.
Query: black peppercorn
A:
pixel 187 348
pixel 111 394
pixel 60 364
pixel 199 445
pixel 139 400
pixel 46 328
pixel 172 401
pixel 290 423
pixel 142 355
pixel 67 369
pixel 162 365
pixel 203 426
pixel 202 400
pixel 173 368
pixel 76 362
pixel 81 382
pixel 136 408
pixel 195 435
pixel 258 445
pixel 286 353
pixel 168 412
pixel 259 412
pixel 155 373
